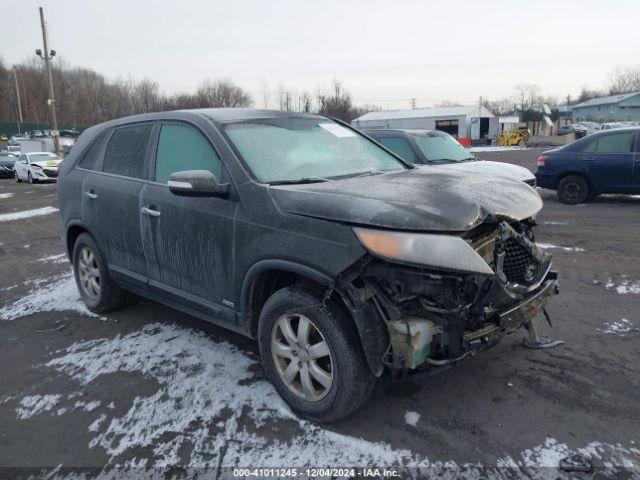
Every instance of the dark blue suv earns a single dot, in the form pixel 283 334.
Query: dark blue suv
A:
pixel 604 162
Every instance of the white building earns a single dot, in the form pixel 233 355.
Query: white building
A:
pixel 465 122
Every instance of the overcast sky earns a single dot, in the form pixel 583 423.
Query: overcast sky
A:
pixel 385 52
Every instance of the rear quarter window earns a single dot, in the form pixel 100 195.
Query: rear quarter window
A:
pixel 90 157
pixel 126 151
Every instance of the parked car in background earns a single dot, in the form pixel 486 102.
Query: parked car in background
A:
pixel 605 162
pixel 37 167
pixel 590 126
pixel 300 231
pixel 14 149
pixel 6 164
pixel 434 147
pixel 611 126
pixel 578 130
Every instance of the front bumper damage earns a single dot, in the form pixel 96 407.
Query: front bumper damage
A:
pixel 410 317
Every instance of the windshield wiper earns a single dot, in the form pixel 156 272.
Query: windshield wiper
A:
pixel 301 180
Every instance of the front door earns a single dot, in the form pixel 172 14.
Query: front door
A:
pixel 608 160
pixel 112 197
pixel 191 255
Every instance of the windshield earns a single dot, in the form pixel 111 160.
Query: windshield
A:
pixel 42 157
pixel 441 147
pixel 307 149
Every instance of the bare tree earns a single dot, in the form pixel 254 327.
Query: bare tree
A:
pixel 222 93
pixel 306 102
pixel 335 102
pixel 501 106
pixel 624 80
pixel 528 96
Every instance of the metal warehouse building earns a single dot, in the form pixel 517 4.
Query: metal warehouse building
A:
pixel 466 123
pixel 624 107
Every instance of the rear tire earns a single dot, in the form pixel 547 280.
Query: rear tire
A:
pixel 344 382
pixel 92 277
pixel 573 189
pixel 17 177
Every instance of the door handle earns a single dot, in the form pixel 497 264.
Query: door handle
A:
pixel 91 195
pixel 148 211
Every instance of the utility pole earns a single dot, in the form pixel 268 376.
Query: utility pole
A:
pixel 52 101
pixel 413 103
pixel 15 77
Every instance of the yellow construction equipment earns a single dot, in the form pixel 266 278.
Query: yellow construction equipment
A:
pixel 511 138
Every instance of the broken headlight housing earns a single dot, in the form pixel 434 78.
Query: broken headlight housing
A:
pixel 445 252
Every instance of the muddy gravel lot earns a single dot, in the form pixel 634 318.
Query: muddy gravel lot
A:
pixel 147 386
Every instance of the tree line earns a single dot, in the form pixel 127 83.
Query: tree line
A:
pixel 624 79
pixel 85 97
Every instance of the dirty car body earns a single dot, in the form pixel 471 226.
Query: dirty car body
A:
pixel 425 265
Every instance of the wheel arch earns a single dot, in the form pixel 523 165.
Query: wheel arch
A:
pixel 574 172
pixel 73 231
pixel 267 276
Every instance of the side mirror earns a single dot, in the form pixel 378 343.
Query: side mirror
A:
pixel 196 183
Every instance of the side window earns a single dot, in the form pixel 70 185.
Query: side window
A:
pixel 23 159
pixel 184 148
pixel 616 143
pixel 126 151
pixel 90 157
pixel 591 147
pixel 400 146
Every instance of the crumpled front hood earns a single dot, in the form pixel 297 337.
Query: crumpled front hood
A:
pixel 423 199
pixel 488 167
pixel 47 163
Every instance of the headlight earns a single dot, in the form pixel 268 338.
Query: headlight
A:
pixel 429 250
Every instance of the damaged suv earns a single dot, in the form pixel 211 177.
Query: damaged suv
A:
pixel 297 230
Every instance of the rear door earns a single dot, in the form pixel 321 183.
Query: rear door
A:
pixel 191 255
pixel 113 193
pixel 609 161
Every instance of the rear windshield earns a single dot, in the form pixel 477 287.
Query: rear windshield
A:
pixel 7 163
pixel 441 147
pixel 289 149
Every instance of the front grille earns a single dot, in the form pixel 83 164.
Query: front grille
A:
pixel 519 265
pixel 50 173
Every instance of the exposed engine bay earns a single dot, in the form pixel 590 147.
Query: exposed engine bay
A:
pixel 437 315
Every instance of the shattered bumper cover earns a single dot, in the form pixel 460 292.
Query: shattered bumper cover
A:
pixel 513 318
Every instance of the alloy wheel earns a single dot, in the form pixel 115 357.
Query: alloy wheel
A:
pixel 302 357
pixel 89 273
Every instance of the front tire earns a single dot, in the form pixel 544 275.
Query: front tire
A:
pixel 92 277
pixel 573 189
pixel 312 355
pixel 30 178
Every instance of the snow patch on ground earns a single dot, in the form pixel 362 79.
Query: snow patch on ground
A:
pixel 411 418
pixel 7 217
pixel 204 384
pixel 35 404
pixel 6 195
pixel 622 327
pixel 626 286
pixel 552 451
pixel 60 258
pixel 551 246
pixel 555 223
pixel 497 149
pixel 60 295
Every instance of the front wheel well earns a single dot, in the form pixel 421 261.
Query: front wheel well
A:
pixel 265 284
